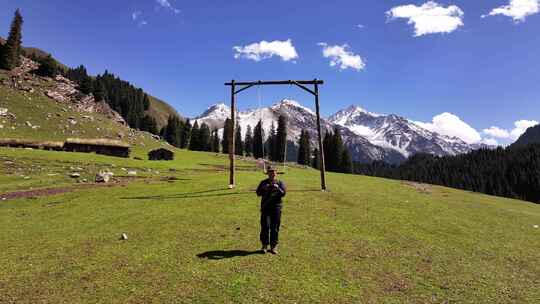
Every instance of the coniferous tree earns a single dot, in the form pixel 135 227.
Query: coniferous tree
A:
pixel 48 67
pixel 227 129
pixel 172 131
pixel 185 134
pixel 304 148
pixel 337 149
pixel 315 159
pixel 248 141
pixel 272 143
pixel 11 51
pixel 281 139
pixel 146 102
pixel 215 141
pixel 328 151
pixel 258 141
pixel 194 143
pixel 99 91
pixel 87 85
pixel 239 145
pixel 204 138
pixel 346 165
pixel 149 124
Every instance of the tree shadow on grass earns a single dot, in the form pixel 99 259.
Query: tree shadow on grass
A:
pixel 226 254
pixel 205 193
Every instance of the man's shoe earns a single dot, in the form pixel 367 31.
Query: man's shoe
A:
pixel 264 248
pixel 273 250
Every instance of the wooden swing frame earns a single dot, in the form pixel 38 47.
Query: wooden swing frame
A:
pixel 246 85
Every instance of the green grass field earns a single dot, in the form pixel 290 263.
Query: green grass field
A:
pixel 191 240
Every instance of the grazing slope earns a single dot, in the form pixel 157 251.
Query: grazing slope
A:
pixel 190 240
pixel 33 116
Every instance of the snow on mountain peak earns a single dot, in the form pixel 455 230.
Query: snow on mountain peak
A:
pixel 292 104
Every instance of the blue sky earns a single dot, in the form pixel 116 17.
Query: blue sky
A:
pixel 484 71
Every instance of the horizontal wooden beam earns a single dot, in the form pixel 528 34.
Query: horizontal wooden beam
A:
pixel 275 82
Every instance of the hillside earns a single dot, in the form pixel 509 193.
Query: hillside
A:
pixel 159 109
pixel 190 240
pixel 29 114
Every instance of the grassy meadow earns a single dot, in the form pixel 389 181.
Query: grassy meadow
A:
pixel 192 240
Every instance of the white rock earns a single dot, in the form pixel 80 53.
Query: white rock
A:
pixel 123 237
pixel 75 175
pixel 535 226
pixel 132 172
pixel 3 111
pixel 28 124
pixel 103 177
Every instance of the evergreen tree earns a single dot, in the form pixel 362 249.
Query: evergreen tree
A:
pixel 227 129
pixel 48 67
pixel 328 151
pixel 258 141
pixel 304 148
pixel 172 131
pixel 204 138
pixel 194 143
pixel 146 102
pixel 248 141
pixel 11 51
pixel 239 145
pixel 99 91
pixel 185 135
pixel 315 160
pixel 87 85
pixel 149 124
pixel 346 165
pixel 337 149
pixel 215 141
pixel 271 143
pixel 281 138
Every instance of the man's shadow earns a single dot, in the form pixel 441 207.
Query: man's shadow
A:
pixel 226 254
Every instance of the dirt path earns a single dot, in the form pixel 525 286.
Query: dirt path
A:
pixel 53 191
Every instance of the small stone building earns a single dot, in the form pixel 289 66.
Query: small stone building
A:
pixel 161 154
pixel 98 146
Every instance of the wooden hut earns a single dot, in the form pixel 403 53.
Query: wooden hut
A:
pixel 161 154
pixel 98 146
pixel 25 143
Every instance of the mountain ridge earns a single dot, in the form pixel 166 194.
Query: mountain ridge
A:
pixel 369 136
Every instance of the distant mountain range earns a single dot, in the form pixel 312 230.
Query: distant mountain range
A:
pixel 369 136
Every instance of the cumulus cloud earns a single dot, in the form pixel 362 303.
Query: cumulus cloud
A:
pixel 490 142
pixel 497 132
pixel 517 9
pixel 451 125
pixel 340 56
pixel 266 49
pixel 520 127
pixel 167 5
pixel 430 18
pixel 136 17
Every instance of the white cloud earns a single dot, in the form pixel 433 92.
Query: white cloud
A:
pixel 490 142
pixel 360 26
pixel 135 15
pixel 451 125
pixel 517 9
pixel 430 18
pixel 340 56
pixel 521 126
pixel 265 49
pixel 166 4
pixel 497 132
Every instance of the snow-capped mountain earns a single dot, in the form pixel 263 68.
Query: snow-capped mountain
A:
pixel 369 136
pixel 398 133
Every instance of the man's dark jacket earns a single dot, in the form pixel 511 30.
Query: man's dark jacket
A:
pixel 271 194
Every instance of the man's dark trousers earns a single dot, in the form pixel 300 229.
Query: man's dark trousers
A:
pixel 270 221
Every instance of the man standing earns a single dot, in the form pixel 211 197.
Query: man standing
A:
pixel 271 190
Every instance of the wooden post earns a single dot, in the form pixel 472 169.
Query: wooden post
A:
pixel 319 131
pixel 232 137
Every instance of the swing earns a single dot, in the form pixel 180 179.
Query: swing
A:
pixel 237 87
